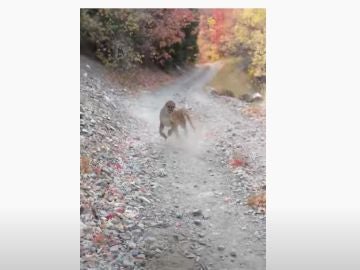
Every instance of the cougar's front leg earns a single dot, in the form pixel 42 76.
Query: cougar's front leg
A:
pixel 161 131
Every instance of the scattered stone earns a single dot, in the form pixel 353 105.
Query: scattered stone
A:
pixel 128 261
pixel 131 245
pixel 206 216
pixel 162 173
pixel 196 212
pixel 140 256
pixel 232 253
pixel 114 248
pixel 142 198
pixel 197 222
pixel 150 240
pixel 190 255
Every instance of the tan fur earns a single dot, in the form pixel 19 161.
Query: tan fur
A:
pixel 173 118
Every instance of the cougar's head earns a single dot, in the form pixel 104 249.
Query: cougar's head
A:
pixel 170 105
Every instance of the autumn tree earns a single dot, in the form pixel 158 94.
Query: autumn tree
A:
pixel 250 34
pixel 127 37
pixel 232 33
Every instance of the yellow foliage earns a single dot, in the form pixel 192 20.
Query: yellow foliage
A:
pixel 211 21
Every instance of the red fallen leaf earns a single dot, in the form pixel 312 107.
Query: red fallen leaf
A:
pixel 97 170
pixel 120 210
pixel 237 162
pixel 227 199
pixel 99 238
pixel 117 166
pixel 109 216
pixel 120 196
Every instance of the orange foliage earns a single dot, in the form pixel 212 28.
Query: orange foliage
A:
pixel 85 165
pixel 255 111
pixel 258 202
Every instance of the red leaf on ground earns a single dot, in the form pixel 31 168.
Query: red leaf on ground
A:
pixel 109 216
pixel 97 170
pixel 120 210
pixel 237 162
pixel 99 238
pixel 117 166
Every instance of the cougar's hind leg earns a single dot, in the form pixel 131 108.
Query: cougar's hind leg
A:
pixel 173 129
pixel 185 128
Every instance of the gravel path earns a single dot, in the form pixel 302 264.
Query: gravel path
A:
pixel 175 204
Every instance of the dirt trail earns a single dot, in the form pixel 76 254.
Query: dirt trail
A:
pixel 197 178
pixel 197 216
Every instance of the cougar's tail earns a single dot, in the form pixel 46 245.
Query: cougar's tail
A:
pixel 189 119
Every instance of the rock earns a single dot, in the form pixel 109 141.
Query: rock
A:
pixel 251 98
pixel 150 240
pixel 190 255
pixel 114 248
pixel 131 245
pixel 197 222
pixel 221 248
pixel 141 256
pixel 206 216
pixel 256 97
pixel 178 215
pixel 162 173
pixel 82 226
pixel 196 212
pixel 125 236
pixel 143 199
pixel 233 253
pixel 128 261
